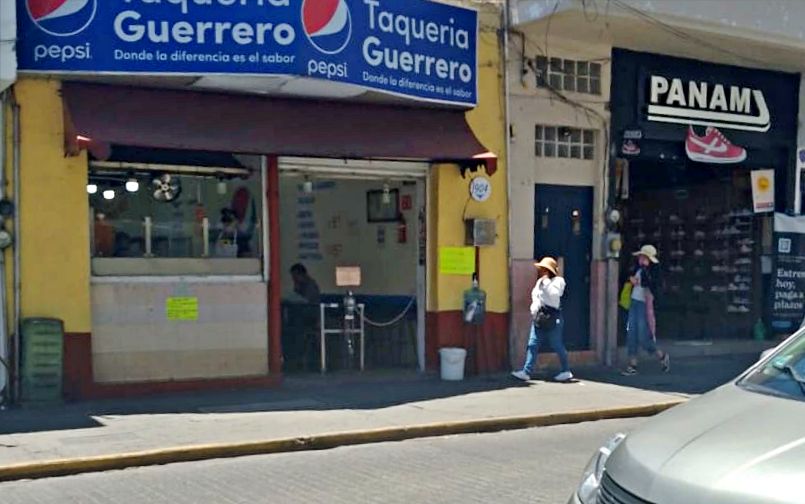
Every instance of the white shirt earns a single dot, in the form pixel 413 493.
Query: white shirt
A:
pixel 638 291
pixel 547 292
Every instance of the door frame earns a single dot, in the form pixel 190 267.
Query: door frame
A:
pixel 358 169
pixel 589 191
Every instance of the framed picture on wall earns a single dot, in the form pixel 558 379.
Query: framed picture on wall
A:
pixel 382 206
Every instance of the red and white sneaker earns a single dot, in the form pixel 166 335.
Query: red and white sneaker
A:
pixel 713 147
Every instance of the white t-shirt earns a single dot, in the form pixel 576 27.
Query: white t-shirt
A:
pixel 639 292
pixel 547 292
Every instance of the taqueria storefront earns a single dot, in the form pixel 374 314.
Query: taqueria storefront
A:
pixel 175 159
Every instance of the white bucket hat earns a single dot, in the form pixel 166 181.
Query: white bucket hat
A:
pixel 649 251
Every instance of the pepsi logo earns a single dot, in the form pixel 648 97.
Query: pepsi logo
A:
pixel 327 24
pixel 62 18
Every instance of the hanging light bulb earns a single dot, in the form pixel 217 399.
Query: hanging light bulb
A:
pixel 386 194
pixel 109 194
pixel 92 188
pixel 132 185
pixel 221 187
pixel 307 186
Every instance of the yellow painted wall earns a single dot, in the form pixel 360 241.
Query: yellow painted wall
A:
pixel 449 192
pixel 54 212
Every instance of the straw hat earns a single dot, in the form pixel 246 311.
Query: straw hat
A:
pixel 649 251
pixel 548 263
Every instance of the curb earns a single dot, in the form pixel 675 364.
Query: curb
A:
pixel 66 467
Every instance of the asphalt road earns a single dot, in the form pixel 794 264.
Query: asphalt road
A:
pixel 536 466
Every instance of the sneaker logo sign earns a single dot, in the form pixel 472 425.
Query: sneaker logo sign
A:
pixel 673 100
pixel 713 147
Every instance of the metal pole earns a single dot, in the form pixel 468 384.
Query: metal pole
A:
pixel 147 226
pixel 205 237
pixel 5 377
pixel 15 114
pixel 507 131
pixel 322 341
pixel 363 345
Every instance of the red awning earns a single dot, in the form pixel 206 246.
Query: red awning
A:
pixel 191 120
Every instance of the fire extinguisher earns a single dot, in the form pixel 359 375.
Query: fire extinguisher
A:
pixel 402 230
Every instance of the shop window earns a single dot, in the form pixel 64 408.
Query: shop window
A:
pixel 564 142
pixel 568 75
pixel 175 219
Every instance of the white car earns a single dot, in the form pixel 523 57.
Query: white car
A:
pixel 743 443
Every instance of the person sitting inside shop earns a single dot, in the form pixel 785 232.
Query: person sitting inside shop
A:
pixel 302 311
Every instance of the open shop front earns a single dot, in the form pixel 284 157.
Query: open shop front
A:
pixel 704 156
pixel 364 217
pixel 194 232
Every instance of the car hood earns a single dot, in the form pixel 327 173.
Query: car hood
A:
pixel 729 446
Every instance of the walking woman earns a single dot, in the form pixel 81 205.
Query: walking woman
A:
pixel 641 329
pixel 547 322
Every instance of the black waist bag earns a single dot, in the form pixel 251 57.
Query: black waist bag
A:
pixel 547 318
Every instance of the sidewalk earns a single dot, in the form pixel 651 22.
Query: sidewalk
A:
pixel 353 404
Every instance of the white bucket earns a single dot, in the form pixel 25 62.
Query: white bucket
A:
pixel 452 363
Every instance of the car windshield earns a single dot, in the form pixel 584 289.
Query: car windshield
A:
pixel 783 374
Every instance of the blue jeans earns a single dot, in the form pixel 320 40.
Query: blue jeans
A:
pixel 554 337
pixel 637 330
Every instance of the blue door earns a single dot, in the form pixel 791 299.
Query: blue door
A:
pixel 563 228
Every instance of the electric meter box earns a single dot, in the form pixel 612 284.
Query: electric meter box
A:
pixel 480 232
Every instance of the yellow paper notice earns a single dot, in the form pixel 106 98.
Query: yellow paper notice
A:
pixel 456 260
pixel 181 308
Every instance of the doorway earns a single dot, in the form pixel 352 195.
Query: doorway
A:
pixel 364 214
pixel 563 226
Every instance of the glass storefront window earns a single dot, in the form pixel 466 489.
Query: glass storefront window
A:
pixel 175 222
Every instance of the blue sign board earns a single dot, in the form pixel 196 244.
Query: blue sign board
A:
pixel 414 48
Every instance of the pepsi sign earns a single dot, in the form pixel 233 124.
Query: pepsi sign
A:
pixel 327 24
pixel 62 18
pixel 414 48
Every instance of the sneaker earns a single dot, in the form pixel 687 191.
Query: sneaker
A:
pixel 713 147
pixel 665 362
pixel 521 375
pixel 564 376
pixel 629 371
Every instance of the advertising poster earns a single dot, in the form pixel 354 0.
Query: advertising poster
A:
pixel 788 276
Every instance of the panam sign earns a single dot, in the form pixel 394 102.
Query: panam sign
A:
pixel 675 100
pixel 414 48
